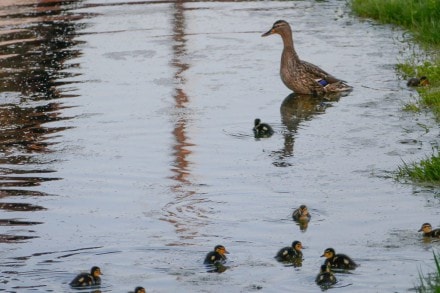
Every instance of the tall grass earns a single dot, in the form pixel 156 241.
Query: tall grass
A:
pixel 430 283
pixel 422 17
pixel 427 170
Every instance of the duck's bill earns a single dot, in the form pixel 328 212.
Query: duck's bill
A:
pixel 268 33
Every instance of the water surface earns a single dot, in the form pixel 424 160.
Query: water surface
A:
pixel 127 143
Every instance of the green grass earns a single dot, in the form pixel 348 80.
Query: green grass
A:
pixel 421 17
pixel 427 170
pixel 430 283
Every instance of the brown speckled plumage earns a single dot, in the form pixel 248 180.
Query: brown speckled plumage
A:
pixel 300 76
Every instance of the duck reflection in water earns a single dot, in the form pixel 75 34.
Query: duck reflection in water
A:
pixel 295 109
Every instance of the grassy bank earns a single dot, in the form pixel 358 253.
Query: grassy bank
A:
pixel 430 283
pixel 422 19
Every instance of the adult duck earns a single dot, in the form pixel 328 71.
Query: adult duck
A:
pixel 300 76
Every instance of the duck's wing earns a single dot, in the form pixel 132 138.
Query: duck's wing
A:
pixel 318 73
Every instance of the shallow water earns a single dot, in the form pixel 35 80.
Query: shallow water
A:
pixel 127 143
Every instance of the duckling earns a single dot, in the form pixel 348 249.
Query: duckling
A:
pixel 338 261
pixel 262 129
pixel 300 76
pixel 428 232
pixel 325 278
pixel 139 290
pixel 86 279
pixel 290 254
pixel 422 81
pixel 301 214
pixel 216 256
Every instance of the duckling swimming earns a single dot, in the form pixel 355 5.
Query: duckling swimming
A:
pixel 216 256
pixel 301 214
pixel 262 129
pixel 338 261
pixel 86 279
pixel 291 254
pixel 139 290
pixel 428 232
pixel 422 81
pixel 325 278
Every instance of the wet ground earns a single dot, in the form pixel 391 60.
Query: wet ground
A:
pixel 126 142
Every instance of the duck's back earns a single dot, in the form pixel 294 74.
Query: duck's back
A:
pixel 84 279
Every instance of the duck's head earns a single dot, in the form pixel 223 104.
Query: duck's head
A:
pixel 257 121
pixel 426 228
pixel 278 27
pixel 329 253
pixel 297 245
pixel 139 290
pixel 424 81
pixel 95 271
pixel 221 250
pixel 303 210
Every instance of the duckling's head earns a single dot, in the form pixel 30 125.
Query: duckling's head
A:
pixel 221 250
pixel 95 271
pixel 304 210
pixel 278 27
pixel 139 290
pixel 426 228
pixel 297 245
pixel 424 81
pixel 329 253
pixel 257 122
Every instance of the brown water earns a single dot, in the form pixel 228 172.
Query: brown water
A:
pixel 126 143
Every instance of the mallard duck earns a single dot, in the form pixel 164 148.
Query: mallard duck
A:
pixel 262 129
pixel 300 76
pixel 301 214
pixel 325 278
pixel 290 253
pixel 422 81
pixel 216 256
pixel 139 290
pixel 86 279
pixel 428 232
pixel 338 261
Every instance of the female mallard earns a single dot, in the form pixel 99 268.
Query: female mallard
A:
pixel 428 232
pixel 290 254
pixel 86 279
pixel 338 261
pixel 216 256
pixel 325 278
pixel 301 214
pixel 300 76
pixel 139 290
pixel 262 129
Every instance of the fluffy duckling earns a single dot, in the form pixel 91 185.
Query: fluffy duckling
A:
pixel 290 254
pixel 86 279
pixel 338 261
pixel 262 129
pixel 325 278
pixel 216 256
pixel 422 81
pixel 301 214
pixel 139 290
pixel 428 232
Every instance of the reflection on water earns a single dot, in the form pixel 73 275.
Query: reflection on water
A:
pixel 36 42
pixel 182 212
pixel 295 109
